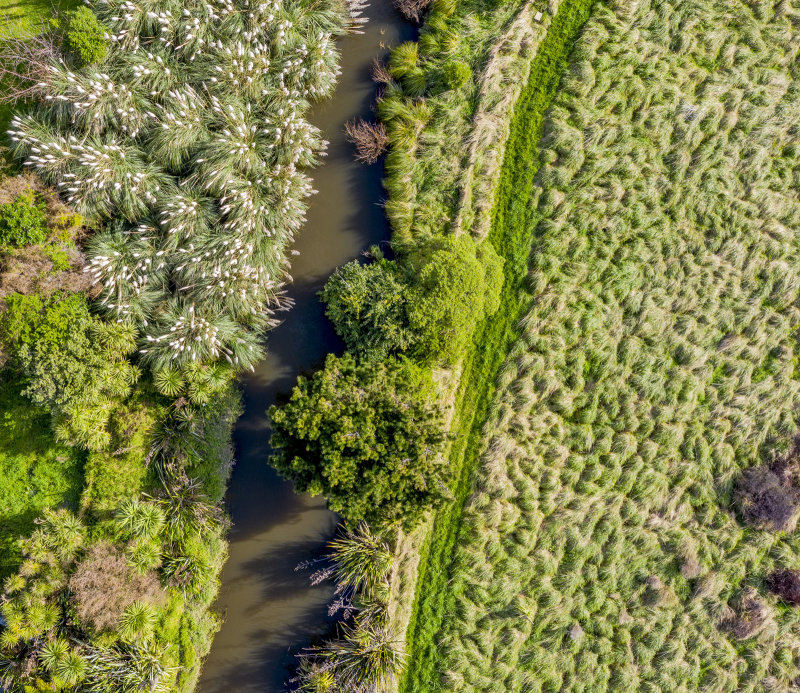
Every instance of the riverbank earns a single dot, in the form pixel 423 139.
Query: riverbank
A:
pixel 270 612
pixel 510 234
pixel 152 440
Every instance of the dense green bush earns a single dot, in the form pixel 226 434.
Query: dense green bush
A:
pixel 85 36
pixel 70 587
pixel 23 221
pixel 73 363
pixel 455 74
pixel 456 284
pixel 367 306
pixel 364 436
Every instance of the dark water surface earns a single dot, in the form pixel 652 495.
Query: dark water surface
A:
pixel 270 610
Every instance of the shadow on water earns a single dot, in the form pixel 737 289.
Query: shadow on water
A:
pixel 270 610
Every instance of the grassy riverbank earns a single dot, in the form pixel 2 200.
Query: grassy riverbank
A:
pixel 511 235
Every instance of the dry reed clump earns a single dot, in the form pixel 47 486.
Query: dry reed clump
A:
pixel 412 10
pixel 370 139
pixel 661 343
pixel 104 585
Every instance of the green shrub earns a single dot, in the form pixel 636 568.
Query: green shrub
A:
pixel 58 256
pixel 73 363
pixel 367 306
pixel 85 36
pixel 455 74
pixel 364 436
pixel 456 284
pixel 23 221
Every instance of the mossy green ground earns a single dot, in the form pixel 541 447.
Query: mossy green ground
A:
pixel 600 548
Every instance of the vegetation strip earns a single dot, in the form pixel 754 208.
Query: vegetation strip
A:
pixel 511 235
pixel 179 133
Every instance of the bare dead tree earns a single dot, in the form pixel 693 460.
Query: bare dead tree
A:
pixel 25 60
pixel 412 10
pixel 370 139
pixel 380 73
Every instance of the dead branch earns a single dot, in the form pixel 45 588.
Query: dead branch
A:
pixel 370 139
pixel 412 10
pixel 380 73
pixel 25 60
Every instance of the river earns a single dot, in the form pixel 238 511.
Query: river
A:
pixel 270 610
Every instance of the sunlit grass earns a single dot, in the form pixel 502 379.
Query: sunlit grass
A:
pixel 35 472
pixel 599 549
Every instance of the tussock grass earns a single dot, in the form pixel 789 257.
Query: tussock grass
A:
pixel 510 235
pixel 656 360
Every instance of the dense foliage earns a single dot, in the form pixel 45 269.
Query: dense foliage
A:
pixel 35 471
pixel 23 221
pixel 656 361
pixel 190 135
pixel 456 284
pixel 45 639
pixel 85 38
pixel 368 306
pixel 366 437
pixel 73 363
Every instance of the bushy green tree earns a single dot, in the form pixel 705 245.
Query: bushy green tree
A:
pixel 367 306
pixel 23 221
pixel 74 363
pixel 456 284
pixel 85 36
pixel 364 436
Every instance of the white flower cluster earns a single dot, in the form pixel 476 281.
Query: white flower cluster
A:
pixel 192 137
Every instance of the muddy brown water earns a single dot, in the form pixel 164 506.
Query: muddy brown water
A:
pixel 270 611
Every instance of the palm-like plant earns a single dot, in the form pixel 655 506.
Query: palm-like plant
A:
pixel 137 622
pixel 361 560
pixel 193 130
pixel 365 659
pixel 71 669
pixel 141 519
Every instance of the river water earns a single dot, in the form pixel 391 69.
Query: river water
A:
pixel 270 610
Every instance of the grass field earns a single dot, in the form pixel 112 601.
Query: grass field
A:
pixel 600 549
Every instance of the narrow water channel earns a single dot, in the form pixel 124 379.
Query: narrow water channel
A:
pixel 270 610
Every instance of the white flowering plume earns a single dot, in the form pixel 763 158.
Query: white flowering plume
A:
pixel 191 136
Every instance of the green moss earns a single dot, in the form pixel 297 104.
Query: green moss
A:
pixel 117 475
